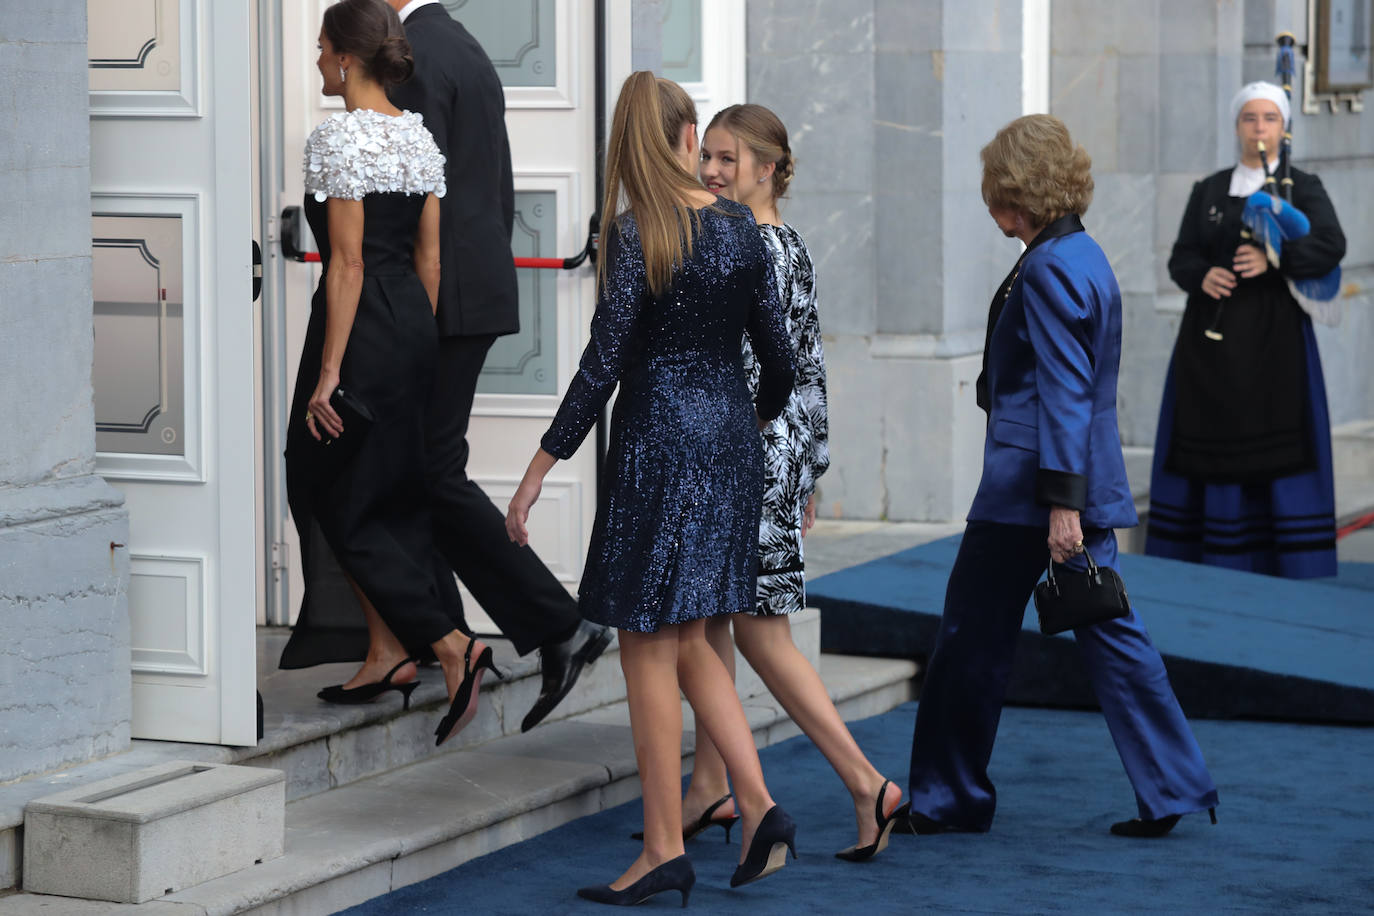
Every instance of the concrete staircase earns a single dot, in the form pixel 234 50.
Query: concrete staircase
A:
pixel 372 805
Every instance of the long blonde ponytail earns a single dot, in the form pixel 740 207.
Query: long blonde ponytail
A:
pixel 641 164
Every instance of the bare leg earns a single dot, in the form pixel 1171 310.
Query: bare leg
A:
pixel 767 644
pixel 718 712
pixel 710 780
pixel 450 651
pixel 649 662
pixel 384 650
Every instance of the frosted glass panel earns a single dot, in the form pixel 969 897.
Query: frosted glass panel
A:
pixel 134 44
pixel 682 40
pixel 527 362
pixel 518 36
pixel 138 376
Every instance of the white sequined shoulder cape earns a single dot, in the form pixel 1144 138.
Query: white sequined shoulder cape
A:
pixel 355 153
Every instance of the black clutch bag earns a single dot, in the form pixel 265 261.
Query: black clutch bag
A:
pixel 1079 598
pixel 357 422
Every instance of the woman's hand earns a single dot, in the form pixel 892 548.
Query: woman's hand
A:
pixel 809 514
pixel 518 513
pixel 526 495
pixel 1250 261
pixel 320 416
pixel 1218 282
pixel 1066 535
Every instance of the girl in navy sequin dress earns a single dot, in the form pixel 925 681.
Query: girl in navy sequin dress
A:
pixel 745 156
pixel 683 276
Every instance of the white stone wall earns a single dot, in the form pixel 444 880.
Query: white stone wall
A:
pixel 64 629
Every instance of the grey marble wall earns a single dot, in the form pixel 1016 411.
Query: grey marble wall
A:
pixel 887 103
pixel 64 629
pixel 1146 87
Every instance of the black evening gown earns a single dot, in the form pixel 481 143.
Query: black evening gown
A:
pixel 368 511
pixel 677 522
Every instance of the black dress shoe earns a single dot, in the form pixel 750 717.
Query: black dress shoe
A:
pixel 561 664
pixel 673 875
pixel 1151 828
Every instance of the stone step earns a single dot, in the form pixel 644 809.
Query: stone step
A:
pixel 133 838
pixel 377 834
pixel 320 746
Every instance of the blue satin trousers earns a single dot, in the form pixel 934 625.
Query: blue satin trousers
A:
pixel 965 685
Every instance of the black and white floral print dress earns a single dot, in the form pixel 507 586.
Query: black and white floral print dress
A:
pixel 795 445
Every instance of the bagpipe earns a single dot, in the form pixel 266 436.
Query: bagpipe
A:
pixel 1271 218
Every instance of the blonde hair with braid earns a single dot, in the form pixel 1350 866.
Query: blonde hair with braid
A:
pixel 763 132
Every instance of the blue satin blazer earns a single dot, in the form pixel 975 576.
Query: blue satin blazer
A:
pixel 1051 361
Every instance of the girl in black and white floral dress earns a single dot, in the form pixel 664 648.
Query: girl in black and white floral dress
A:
pixel 795 447
pixel 745 156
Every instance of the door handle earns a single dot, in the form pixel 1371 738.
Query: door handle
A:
pixel 257 270
pixel 297 242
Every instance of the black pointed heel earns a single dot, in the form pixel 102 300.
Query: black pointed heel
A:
pixel 886 824
pixel 366 693
pixel 464 705
pixel 1146 828
pixel 776 836
pixel 705 822
pixel 673 875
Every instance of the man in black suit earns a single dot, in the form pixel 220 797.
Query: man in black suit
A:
pixel 456 90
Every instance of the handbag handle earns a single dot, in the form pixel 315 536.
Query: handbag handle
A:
pixel 1092 570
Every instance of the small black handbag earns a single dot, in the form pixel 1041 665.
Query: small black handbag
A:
pixel 1079 598
pixel 357 421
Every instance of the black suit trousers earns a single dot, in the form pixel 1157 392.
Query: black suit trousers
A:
pixel 511 583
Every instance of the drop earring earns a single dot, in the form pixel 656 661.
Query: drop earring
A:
pixel 343 75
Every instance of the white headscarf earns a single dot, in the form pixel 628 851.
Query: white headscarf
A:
pixel 1260 90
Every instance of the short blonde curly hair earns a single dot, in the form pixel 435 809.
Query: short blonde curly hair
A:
pixel 1033 165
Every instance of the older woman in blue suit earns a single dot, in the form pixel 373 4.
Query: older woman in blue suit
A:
pixel 1052 475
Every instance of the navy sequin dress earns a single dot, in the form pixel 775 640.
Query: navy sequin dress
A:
pixel 677 523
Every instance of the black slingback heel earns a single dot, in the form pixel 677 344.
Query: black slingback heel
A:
pixel 886 823
pixel 464 705
pixel 705 822
pixel 366 693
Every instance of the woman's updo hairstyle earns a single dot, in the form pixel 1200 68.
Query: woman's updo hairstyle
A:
pixel 371 31
pixel 762 131
pixel 1033 165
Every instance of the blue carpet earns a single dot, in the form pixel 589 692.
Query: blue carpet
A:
pixel 1295 836
pixel 1238 645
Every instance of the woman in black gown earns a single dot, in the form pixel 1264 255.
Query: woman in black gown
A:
pixel 683 277
pixel 355 440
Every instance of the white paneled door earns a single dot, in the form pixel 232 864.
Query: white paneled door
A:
pixel 174 356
